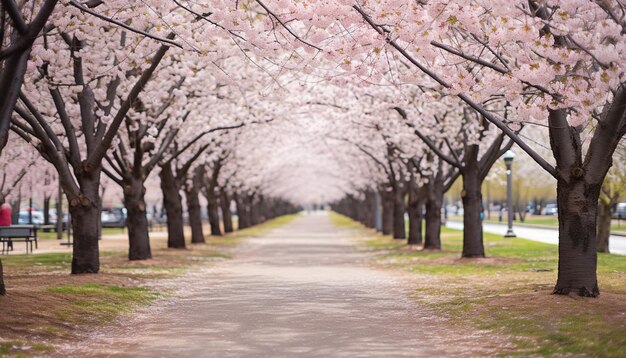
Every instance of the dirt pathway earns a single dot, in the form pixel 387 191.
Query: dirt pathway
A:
pixel 301 290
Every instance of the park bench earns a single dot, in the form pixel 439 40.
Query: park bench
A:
pixel 13 233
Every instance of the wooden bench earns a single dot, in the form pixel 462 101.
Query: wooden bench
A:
pixel 25 233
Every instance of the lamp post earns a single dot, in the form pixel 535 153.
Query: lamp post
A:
pixel 508 160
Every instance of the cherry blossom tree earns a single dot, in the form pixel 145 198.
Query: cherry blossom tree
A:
pixel 556 63
pixel 567 70
pixel 171 115
pixel 20 24
pixel 90 108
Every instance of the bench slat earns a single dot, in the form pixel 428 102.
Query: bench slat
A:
pixel 16 232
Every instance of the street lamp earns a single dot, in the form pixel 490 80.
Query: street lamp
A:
pixel 508 160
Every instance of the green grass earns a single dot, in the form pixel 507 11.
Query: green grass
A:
pixel 343 222
pixel 23 349
pixel 53 235
pixel 102 302
pixel 48 259
pixel 525 256
pixel 509 291
pixel 257 230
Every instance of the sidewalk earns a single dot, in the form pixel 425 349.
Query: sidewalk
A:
pixel 617 244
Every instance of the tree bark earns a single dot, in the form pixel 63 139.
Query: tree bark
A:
pixel 252 209
pixel 3 290
pixel 173 208
pixel 399 228
pixel 11 79
pixel 192 193
pixel 472 225
pixel 414 208
pixel 86 223
pixel 226 215
pixel 242 215
pixel 46 210
pixel 212 208
pixel 604 226
pixel 577 203
pixel 370 203
pixel 387 199
pixel 195 216
pixel 16 208
pixel 136 221
pixel 434 202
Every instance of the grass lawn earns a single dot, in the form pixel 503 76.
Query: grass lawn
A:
pixel 47 235
pixel 45 306
pixel 509 293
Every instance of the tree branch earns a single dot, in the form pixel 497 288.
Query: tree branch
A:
pixel 16 16
pixel 491 117
pixel 428 142
pixel 271 14
pixel 96 156
pixel 167 40
pixel 475 59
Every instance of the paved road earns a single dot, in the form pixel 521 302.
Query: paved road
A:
pixel 617 244
pixel 303 290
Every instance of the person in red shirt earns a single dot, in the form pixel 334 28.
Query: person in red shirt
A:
pixel 5 215
pixel 5 220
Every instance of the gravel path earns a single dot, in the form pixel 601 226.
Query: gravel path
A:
pixel 302 290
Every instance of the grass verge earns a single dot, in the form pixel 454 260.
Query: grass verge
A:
pixel 509 293
pixel 101 303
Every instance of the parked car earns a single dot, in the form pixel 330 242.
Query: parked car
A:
pixel 53 216
pixel 37 218
pixel 451 209
pixel 113 217
pixel 620 211
pixel 550 209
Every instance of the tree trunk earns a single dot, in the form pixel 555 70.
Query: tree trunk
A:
pixel 226 215
pixel 3 290
pixel 370 203
pixel 46 210
pixel 399 228
pixel 414 208
pixel 136 220
pixel 604 226
pixel 195 214
pixel 11 79
pixel 472 225
pixel 15 208
pixel 577 203
pixel 192 193
pixel 434 191
pixel 86 223
pixel 173 208
pixel 212 207
pixel 253 210
pixel 387 199
pixel 242 216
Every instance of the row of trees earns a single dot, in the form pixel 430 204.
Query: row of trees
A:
pixel 110 89
pixel 558 64
pixel 406 97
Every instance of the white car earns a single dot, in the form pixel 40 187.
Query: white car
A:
pixel 37 217
pixel 620 211
pixel 550 209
